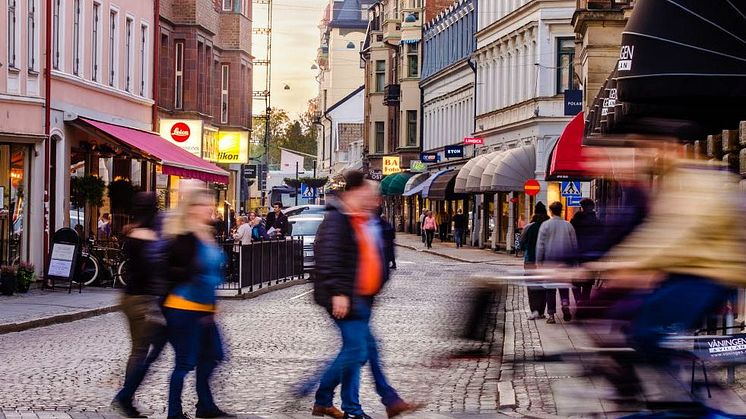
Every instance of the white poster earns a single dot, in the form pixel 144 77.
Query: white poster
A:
pixel 63 251
pixel 60 268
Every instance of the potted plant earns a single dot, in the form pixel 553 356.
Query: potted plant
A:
pixel 121 193
pixel 292 182
pixel 25 276
pixel 8 279
pixel 314 182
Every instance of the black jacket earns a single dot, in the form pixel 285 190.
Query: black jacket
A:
pixel 278 222
pixel 588 230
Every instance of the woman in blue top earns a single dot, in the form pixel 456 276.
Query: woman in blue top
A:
pixel 194 262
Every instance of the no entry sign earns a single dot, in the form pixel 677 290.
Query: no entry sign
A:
pixel 531 187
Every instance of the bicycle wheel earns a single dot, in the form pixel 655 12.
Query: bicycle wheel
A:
pixel 121 271
pixel 89 270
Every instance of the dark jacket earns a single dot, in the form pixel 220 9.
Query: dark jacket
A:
pixel 180 255
pixel 259 232
pixel 336 256
pixel 588 229
pixel 389 235
pixel 460 221
pixel 528 241
pixel 278 222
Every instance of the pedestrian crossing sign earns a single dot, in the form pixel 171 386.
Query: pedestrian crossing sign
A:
pixel 307 192
pixel 571 188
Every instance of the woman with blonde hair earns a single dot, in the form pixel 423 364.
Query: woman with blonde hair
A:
pixel 194 262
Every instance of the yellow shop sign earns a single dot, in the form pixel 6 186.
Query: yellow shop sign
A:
pixel 233 147
pixel 391 165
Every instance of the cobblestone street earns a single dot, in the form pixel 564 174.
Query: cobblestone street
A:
pixel 274 342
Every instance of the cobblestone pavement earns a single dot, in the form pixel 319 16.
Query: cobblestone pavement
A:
pixel 274 342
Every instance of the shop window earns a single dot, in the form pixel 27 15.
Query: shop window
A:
pixel 179 76
pixel 565 59
pixel 380 134
pixel 380 75
pixel 96 42
pixel 14 180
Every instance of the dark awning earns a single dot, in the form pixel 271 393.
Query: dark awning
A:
pixel 442 188
pixel 396 183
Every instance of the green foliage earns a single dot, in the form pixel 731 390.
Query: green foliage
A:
pixel 292 182
pixel 293 134
pixel 88 189
pixel 314 182
pixel 121 193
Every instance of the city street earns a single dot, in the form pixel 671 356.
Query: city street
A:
pixel 274 342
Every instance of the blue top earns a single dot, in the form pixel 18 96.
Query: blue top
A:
pixel 201 289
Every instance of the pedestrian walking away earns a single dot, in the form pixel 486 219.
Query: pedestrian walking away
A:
pixel 537 295
pixel 429 225
pixel 347 279
pixel 460 224
pixel 555 245
pixel 587 229
pixel 389 235
pixel 141 300
pixel 194 262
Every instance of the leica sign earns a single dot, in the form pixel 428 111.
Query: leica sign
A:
pixel 180 132
pixel 185 133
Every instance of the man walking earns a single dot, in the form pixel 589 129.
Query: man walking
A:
pixel 350 271
pixel 460 224
pixel 556 245
pixel 587 230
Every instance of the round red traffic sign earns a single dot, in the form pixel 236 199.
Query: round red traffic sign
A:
pixel 180 132
pixel 531 187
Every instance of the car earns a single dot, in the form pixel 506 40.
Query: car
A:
pixel 304 210
pixel 306 226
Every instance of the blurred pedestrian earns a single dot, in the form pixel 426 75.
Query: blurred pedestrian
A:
pixel 141 300
pixel 389 235
pixel 104 226
pixel 429 225
pixel 555 245
pixel 444 224
pixel 423 214
pixel 348 277
pixel 277 222
pixel 460 224
pixel 587 229
pixel 195 268
pixel 537 295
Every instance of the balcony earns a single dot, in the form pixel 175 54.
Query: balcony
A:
pixel 603 4
pixel 391 94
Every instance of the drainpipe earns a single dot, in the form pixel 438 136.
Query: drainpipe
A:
pixel 47 127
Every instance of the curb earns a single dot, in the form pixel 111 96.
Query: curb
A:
pixel 265 290
pixel 61 318
pixel 406 246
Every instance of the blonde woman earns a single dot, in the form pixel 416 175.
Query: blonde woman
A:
pixel 195 271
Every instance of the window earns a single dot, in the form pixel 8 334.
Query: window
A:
pixel 380 131
pixel 56 33
pixel 112 48
pixel 12 27
pixel 380 75
pixel 31 35
pixel 129 51
pixel 565 59
pixel 76 37
pixel 227 5
pixel 413 60
pixel 179 76
pixel 143 59
pixel 225 71
pixel 411 128
pixel 96 41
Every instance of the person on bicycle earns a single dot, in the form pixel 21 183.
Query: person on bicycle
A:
pixel 141 301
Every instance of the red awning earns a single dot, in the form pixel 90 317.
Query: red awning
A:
pixel 567 157
pixel 174 160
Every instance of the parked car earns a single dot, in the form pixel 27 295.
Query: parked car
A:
pixel 304 210
pixel 306 226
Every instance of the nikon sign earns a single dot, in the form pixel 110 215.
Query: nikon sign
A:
pixel 233 147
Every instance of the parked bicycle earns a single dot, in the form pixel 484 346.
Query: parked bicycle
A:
pixel 100 263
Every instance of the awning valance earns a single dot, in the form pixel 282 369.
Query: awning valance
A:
pixel 516 167
pixel 174 160
pixel 474 180
pixel 442 188
pixel 424 187
pixel 396 183
pixel 463 176
pixel 567 159
pixel 414 181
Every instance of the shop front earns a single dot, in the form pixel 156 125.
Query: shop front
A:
pixel 413 204
pixel 446 201
pixel 392 188
pixel 17 200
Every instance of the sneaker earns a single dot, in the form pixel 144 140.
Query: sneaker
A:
pixel 551 319
pixel 535 315
pixel 566 316
pixel 125 409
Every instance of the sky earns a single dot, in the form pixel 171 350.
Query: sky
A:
pixel 295 39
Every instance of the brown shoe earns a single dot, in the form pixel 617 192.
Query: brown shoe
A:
pixel 330 411
pixel 401 406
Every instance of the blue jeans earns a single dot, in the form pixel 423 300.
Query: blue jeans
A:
pixel 458 235
pixel 358 346
pixel 196 341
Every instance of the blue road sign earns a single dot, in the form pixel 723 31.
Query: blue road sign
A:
pixel 573 201
pixel 571 188
pixel 306 192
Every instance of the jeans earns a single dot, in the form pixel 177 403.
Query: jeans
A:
pixel 552 299
pixel 358 346
pixel 581 290
pixel 458 235
pixel 196 341
pixel 429 235
pixel 148 332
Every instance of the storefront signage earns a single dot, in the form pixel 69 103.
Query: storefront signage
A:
pixel 249 171
pixel 186 134
pixel 571 188
pixel 429 157
pixel 454 151
pixel 375 174
pixel 573 102
pixel 473 141
pixel 210 145
pixel 731 347
pixel 417 166
pixel 233 147
pixel 531 187
pixel 391 165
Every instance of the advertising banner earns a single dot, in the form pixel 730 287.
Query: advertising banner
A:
pixel 391 165
pixel 185 133
pixel 233 147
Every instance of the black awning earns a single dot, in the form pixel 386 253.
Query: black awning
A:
pixel 442 187
pixel 684 60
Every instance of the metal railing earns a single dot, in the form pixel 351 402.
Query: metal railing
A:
pixel 262 264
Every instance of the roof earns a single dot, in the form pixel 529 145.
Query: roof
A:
pixel 345 99
pixel 349 14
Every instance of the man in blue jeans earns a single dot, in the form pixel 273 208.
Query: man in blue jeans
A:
pixel 350 270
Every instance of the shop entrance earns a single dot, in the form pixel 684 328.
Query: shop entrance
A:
pixel 14 181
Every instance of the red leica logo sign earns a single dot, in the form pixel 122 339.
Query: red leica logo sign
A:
pixel 180 132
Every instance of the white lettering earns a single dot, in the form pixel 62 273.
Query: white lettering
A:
pixel 627 52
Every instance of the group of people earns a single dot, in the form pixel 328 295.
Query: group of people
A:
pixel 441 222
pixel 252 228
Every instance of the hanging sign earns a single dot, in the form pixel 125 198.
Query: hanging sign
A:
pixel 473 141
pixel 233 147
pixel 375 174
pixel 417 166
pixel 185 133
pixel 391 165
pixel 429 157
pixel 571 188
pixel 454 151
pixel 573 102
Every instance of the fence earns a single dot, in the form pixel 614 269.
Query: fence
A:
pixel 260 264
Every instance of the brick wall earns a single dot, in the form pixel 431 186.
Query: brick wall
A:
pixel 347 133
pixel 433 7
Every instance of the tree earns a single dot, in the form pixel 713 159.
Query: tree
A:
pixel 278 122
pixel 297 135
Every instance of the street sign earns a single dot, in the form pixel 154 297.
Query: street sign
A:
pixel 573 102
pixel 571 188
pixel 429 157
pixel 307 192
pixel 454 151
pixel 574 201
pixel 473 141
pixel 531 187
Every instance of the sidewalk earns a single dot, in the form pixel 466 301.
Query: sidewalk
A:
pixel 465 254
pixel 40 308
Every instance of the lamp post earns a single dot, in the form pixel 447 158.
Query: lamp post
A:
pixel 296 184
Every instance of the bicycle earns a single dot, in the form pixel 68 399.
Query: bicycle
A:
pixel 97 260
